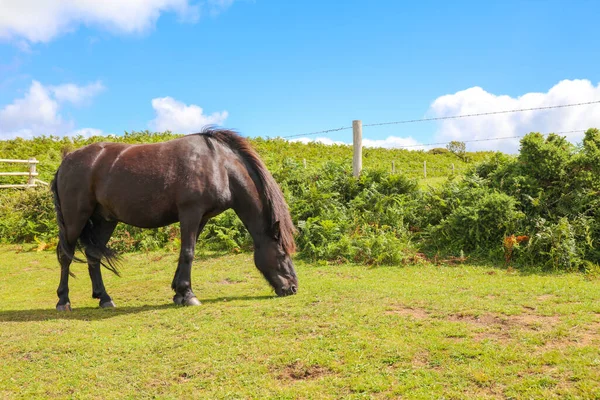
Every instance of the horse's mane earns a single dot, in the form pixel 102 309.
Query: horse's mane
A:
pixel 272 195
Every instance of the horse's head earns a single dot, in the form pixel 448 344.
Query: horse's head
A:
pixel 276 264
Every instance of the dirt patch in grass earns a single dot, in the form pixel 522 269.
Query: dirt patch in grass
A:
pixel 594 328
pixel 298 371
pixel 546 297
pixel 416 313
pixel 422 360
pixel 535 322
pixel 522 321
pixel 501 327
pixel 485 319
pixel 588 335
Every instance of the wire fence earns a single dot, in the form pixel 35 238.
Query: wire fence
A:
pixel 486 139
pixel 451 117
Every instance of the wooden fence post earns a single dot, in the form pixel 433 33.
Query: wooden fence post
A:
pixel 32 172
pixel 425 169
pixel 357 144
pixel 452 168
pixel 393 167
pixel 31 175
pixel 304 162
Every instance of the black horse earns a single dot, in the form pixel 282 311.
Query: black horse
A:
pixel 189 179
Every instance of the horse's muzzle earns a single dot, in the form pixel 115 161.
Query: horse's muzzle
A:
pixel 288 291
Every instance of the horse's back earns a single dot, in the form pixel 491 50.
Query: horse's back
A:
pixel 147 184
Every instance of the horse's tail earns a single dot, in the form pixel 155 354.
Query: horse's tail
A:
pixel 63 245
pixel 108 257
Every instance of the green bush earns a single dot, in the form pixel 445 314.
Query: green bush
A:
pixel 27 216
pixel 556 187
pixel 226 232
pixel 439 150
pixel 559 246
pixel 476 218
pixel 457 148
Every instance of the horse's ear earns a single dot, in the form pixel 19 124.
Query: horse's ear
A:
pixel 276 231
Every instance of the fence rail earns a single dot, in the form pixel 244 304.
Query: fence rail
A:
pixel 30 161
pixel 32 174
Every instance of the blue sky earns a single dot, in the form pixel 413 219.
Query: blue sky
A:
pixel 269 68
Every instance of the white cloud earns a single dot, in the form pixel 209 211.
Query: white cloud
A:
pixel 87 132
pixel 37 112
pixel 215 7
pixel 22 45
pixel 42 20
pixel 177 117
pixel 392 142
pixel 76 94
pixel 477 100
pixel 29 115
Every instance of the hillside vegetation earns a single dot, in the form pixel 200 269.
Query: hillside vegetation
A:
pixel 537 209
pixel 275 153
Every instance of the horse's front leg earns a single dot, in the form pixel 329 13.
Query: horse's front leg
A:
pixel 182 283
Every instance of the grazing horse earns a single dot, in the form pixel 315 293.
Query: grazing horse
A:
pixel 189 179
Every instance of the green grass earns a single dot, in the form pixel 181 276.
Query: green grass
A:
pixel 419 331
pixel 435 182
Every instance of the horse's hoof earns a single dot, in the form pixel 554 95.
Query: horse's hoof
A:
pixel 108 304
pixel 178 299
pixel 63 307
pixel 192 301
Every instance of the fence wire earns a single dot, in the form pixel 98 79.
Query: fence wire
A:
pixel 408 121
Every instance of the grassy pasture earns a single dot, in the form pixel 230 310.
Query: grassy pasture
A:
pixel 420 331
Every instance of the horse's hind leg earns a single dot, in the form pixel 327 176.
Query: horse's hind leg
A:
pixel 75 217
pixel 101 231
pixel 65 254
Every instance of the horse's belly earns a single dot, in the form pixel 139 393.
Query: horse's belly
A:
pixel 143 211
pixel 142 220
